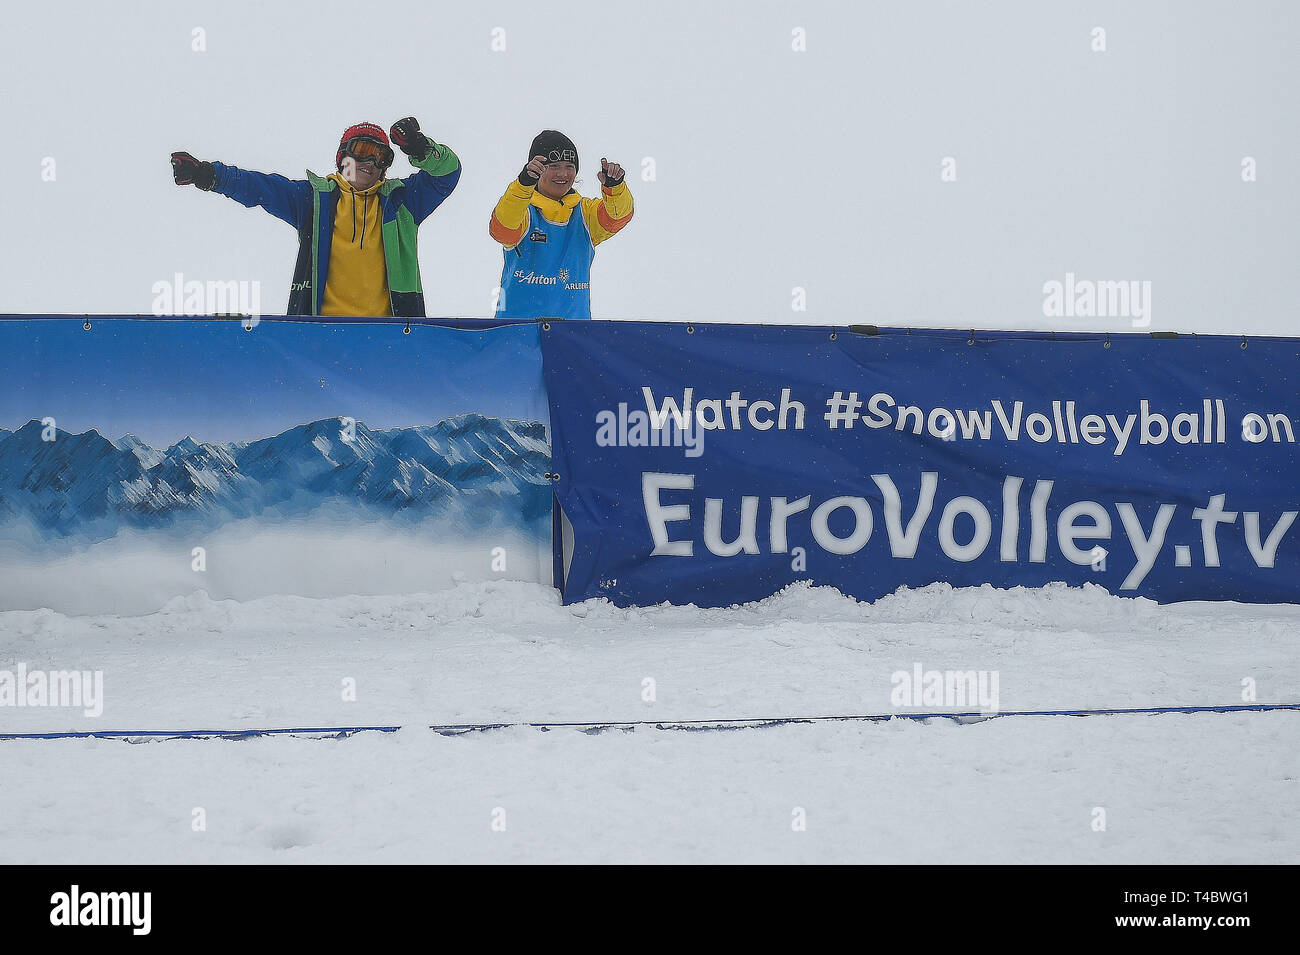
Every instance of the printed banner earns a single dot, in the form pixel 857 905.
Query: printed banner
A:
pixel 717 464
pixel 146 460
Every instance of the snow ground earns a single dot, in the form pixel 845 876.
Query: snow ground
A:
pixel 1174 788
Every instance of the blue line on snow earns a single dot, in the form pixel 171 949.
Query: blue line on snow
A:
pixel 455 729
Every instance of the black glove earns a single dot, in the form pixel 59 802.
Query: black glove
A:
pixel 187 170
pixel 605 178
pixel 406 134
pixel 527 177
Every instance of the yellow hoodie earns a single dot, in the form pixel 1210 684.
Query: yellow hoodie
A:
pixel 357 280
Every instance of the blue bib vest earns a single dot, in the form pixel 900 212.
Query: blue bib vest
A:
pixel 548 274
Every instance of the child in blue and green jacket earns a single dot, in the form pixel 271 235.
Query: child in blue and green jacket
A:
pixel 357 251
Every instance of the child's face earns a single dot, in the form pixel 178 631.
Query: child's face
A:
pixel 360 175
pixel 557 179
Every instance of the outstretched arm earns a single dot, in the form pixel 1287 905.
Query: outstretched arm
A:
pixel 285 199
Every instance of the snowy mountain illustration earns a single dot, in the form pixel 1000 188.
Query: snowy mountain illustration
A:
pixel 471 469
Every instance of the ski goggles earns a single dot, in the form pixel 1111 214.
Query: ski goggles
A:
pixel 369 151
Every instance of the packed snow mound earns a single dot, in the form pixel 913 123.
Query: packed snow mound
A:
pixel 501 650
pixel 496 651
pixel 1057 607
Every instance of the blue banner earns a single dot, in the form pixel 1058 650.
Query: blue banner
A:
pixel 142 460
pixel 717 464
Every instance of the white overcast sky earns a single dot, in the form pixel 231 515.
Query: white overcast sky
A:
pixel 774 168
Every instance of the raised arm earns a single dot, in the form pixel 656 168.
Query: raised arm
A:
pixel 437 168
pixel 509 219
pixel 613 210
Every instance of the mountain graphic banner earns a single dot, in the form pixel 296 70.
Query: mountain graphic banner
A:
pixel 143 461
pixel 149 459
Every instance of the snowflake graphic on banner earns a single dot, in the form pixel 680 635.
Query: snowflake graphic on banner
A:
pixel 564 275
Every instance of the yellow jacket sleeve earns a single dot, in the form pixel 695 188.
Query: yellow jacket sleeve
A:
pixel 510 217
pixel 609 213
